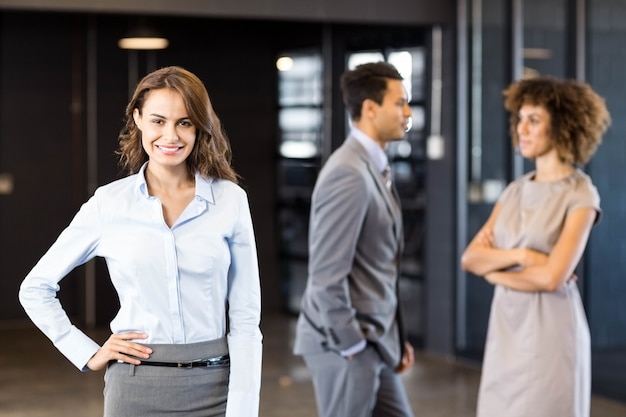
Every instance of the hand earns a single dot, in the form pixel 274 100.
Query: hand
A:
pixel 491 277
pixel 407 359
pixel 532 257
pixel 117 347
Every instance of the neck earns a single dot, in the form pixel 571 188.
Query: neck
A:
pixel 168 179
pixel 365 128
pixel 552 169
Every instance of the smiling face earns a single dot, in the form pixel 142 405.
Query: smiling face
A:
pixel 533 131
pixel 167 134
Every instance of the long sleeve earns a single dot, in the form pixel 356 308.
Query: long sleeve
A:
pixel 244 338
pixel 38 292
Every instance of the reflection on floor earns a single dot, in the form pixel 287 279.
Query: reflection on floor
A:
pixel 36 381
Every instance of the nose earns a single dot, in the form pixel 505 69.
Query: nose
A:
pixel 407 110
pixel 521 127
pixel 171 134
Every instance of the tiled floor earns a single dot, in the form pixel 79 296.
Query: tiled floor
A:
pixel 36 381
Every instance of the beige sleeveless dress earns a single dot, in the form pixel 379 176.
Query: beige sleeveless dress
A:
pixel 537 360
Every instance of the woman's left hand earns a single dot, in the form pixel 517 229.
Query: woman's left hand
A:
pixel 491 277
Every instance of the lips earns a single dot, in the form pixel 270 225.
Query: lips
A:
pixel 169 149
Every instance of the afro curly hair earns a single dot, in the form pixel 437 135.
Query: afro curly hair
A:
pixel 579 115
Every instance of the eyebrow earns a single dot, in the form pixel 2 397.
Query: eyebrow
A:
pixel 163 117
pixel 530 113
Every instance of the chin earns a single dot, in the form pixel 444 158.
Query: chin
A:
pixel 400 136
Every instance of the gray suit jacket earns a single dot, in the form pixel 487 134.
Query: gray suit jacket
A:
pixel 355 242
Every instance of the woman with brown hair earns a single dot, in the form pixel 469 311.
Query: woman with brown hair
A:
pixel 537 359
pixel 177 237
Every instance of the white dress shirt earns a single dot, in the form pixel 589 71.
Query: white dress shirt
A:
pixel 175 284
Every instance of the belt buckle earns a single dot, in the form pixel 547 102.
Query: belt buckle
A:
pixel 219 360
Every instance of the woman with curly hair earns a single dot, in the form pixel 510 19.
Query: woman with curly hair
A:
pixel 537 359
pixel 177 237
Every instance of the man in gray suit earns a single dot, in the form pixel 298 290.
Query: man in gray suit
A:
pixel 349 331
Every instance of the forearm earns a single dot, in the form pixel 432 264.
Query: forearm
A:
pixel 38 297
pixel 483 260
pixel 530 279
pixel 549 271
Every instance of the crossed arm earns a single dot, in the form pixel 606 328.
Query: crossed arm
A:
pixel 536 271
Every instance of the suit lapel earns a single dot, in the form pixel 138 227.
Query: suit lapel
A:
pixel 391 198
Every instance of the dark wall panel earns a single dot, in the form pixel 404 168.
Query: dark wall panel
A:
pixel 607 250
pixel 35 146
pixel 440 249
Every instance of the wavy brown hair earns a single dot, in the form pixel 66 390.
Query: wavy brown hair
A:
pixel 579 115
pixel 211 155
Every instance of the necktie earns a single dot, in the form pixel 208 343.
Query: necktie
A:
pixel 387 177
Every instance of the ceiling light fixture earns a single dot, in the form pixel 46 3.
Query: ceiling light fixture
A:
pixel 143 38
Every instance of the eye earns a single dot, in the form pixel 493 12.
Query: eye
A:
pixel 185 123
pixel 157 121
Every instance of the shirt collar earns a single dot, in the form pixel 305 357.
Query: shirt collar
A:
pixel 376 153
pixel 140 185
pixel 204 187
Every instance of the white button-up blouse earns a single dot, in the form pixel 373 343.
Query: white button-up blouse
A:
pixel 175 284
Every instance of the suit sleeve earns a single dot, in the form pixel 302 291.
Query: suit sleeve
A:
pixel 339 206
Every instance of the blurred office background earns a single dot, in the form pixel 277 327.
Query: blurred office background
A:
pixel 272 70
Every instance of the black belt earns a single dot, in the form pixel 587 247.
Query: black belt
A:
pixel 196 363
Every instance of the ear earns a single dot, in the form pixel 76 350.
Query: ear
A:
pixel 369 108
pixel 137 118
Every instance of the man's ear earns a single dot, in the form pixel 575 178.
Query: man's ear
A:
pixel 369 108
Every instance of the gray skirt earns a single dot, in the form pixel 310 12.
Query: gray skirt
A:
pixel 153 391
